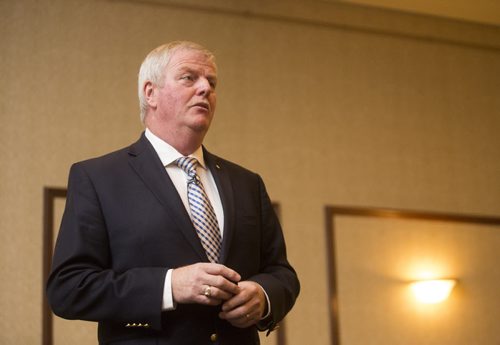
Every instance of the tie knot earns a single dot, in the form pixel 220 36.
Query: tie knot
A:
pixel 188 164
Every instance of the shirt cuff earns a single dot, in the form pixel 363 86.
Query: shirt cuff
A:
pixel 268 305
pixel 168 300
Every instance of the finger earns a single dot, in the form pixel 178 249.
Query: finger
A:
pixel 247 320
pixel 240 313
pixel 242 321
pixel 249 291
pixel 211 301
pixel 206 296
pixel 221 270
pixel 219 294
pixel 236 301
pixel 222 284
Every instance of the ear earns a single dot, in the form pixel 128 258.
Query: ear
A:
pixel 149 90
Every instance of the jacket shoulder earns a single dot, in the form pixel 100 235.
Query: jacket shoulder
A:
pixel 114 158
pixel 219 162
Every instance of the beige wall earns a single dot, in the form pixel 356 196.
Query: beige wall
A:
pixel 357 107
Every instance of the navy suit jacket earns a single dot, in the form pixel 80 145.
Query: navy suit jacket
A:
pixel 124 226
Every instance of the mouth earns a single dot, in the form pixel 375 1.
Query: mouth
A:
pixel 203 105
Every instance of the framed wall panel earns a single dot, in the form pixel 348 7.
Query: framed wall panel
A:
pixel 374 253
pixel 278 337
pixel 50 195
pixel 55 330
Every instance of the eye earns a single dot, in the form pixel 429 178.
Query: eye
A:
pixel 188 77
pixel 212 83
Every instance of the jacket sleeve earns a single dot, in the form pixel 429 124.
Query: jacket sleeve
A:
pixel 83 284
pixel 276 276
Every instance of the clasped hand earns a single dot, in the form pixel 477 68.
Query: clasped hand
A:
pixel 243 302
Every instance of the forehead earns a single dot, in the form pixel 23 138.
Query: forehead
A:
pixel 193 60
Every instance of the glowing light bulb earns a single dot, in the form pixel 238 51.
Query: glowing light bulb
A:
pixel 432 291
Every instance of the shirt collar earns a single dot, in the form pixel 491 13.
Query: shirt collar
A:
pixel 168 154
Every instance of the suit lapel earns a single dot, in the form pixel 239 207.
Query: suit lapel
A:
pixel 225 189
pixel 146 163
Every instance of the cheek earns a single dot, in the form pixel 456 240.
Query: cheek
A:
pixel 168 103
pixel 213 101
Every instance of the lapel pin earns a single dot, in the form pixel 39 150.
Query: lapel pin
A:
pixel 217 166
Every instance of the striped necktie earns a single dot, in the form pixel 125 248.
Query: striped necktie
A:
pixel 202 212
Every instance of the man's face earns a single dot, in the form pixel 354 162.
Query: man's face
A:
pixel 187 98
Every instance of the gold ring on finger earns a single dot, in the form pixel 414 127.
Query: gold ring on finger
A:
pixel 208 291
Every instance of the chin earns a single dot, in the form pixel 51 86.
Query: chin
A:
pixel 201 123
pixel 200 126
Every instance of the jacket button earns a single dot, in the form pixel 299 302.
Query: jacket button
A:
pixel 213 337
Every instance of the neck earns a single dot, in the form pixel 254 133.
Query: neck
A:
pixel 185 142
pixel 185 146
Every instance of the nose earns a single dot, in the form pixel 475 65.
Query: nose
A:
pixel 204 87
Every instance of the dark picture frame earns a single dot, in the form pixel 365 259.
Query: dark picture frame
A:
pixel 280 330
pixel 50 194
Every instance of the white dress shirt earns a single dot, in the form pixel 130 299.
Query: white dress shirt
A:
pixel 168 155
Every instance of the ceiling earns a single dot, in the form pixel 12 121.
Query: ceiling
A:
pixel 479 11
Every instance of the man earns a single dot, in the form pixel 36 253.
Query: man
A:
pixel 161 248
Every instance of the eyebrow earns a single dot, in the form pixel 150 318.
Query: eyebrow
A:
pixel 186 69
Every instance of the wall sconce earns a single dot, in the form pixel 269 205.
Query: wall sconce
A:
pixel 432 291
